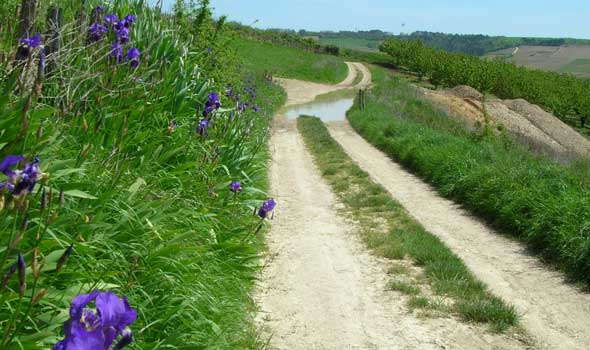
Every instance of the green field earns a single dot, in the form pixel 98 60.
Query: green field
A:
pixel 580 66
pixel 286 62
pixel 352 43
pixel 572 59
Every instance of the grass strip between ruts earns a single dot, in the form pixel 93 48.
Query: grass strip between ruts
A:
pixel 391 232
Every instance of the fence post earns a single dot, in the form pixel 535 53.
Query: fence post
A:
pixel 54 24
pixel 362 97
pixel 360 100
pixel 27 18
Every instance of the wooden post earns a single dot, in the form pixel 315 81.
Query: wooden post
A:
pixel 360 102
pixel 27 18
pixel 362 99
pixel 54 24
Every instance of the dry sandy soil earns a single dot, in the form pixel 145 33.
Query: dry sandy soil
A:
pixel 320 289
pixel 301 92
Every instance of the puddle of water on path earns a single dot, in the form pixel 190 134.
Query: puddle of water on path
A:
pixel 331 107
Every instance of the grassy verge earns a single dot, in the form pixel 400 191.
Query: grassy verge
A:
pixel 286 62
pixel 392 233
pixel 146 203
pixel 534 199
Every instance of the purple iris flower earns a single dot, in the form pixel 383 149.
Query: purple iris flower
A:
pixel 123 34
pixel 32 42
pixel 8 162
pixel 230 91
pixel 235 186
pixel 266 208
pixel 242 107
pixel 117 52
pixel 208 110
pixel 256 108
pixel 129 20
pixel 99 9
pixel 19 180
pixel 213 100
pixel 27 178
pixel 27 45
pixel 212 104
pixel 96 32
pixel 111 19
pixel 98 330
pixel 126 339
pixel 133 56
pixel 203 127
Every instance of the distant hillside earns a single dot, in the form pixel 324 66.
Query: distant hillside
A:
pixel 361 40
pixel 479 45
pixel 471 44
pixel 573 59
pixel 560 55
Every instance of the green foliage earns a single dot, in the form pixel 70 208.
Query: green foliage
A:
pixel 352 43
pixel 565 95
pixel 284 37
pixel 373 207
pixel 534 199
pixel 146 204
pixel 288 62
pixel 209 38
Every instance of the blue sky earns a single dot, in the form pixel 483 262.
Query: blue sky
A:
pixel 540 18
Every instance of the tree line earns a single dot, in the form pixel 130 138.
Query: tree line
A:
pixel 565 95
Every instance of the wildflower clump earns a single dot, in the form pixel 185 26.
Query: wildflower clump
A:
pixel 98 328
pixel 121 31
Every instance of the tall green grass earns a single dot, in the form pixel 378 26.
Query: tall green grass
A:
pixel 529 197
pixel 286 62
pixel 146 207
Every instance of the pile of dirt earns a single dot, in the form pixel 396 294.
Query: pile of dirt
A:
pixel 523 130
pixel 529 124
pixel 470 112
pixel 552 126
pixel 464 91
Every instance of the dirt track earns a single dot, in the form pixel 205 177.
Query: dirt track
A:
pixel 320 288
pixel 555 313
pixel 300 92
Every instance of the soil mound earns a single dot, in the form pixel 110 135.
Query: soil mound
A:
pixel 524 131
pixel 464 91
pixel 529 124
pixel 552 126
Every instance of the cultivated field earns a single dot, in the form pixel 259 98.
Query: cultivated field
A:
pixel 574 59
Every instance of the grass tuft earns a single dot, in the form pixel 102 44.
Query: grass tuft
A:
pixel 404 287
